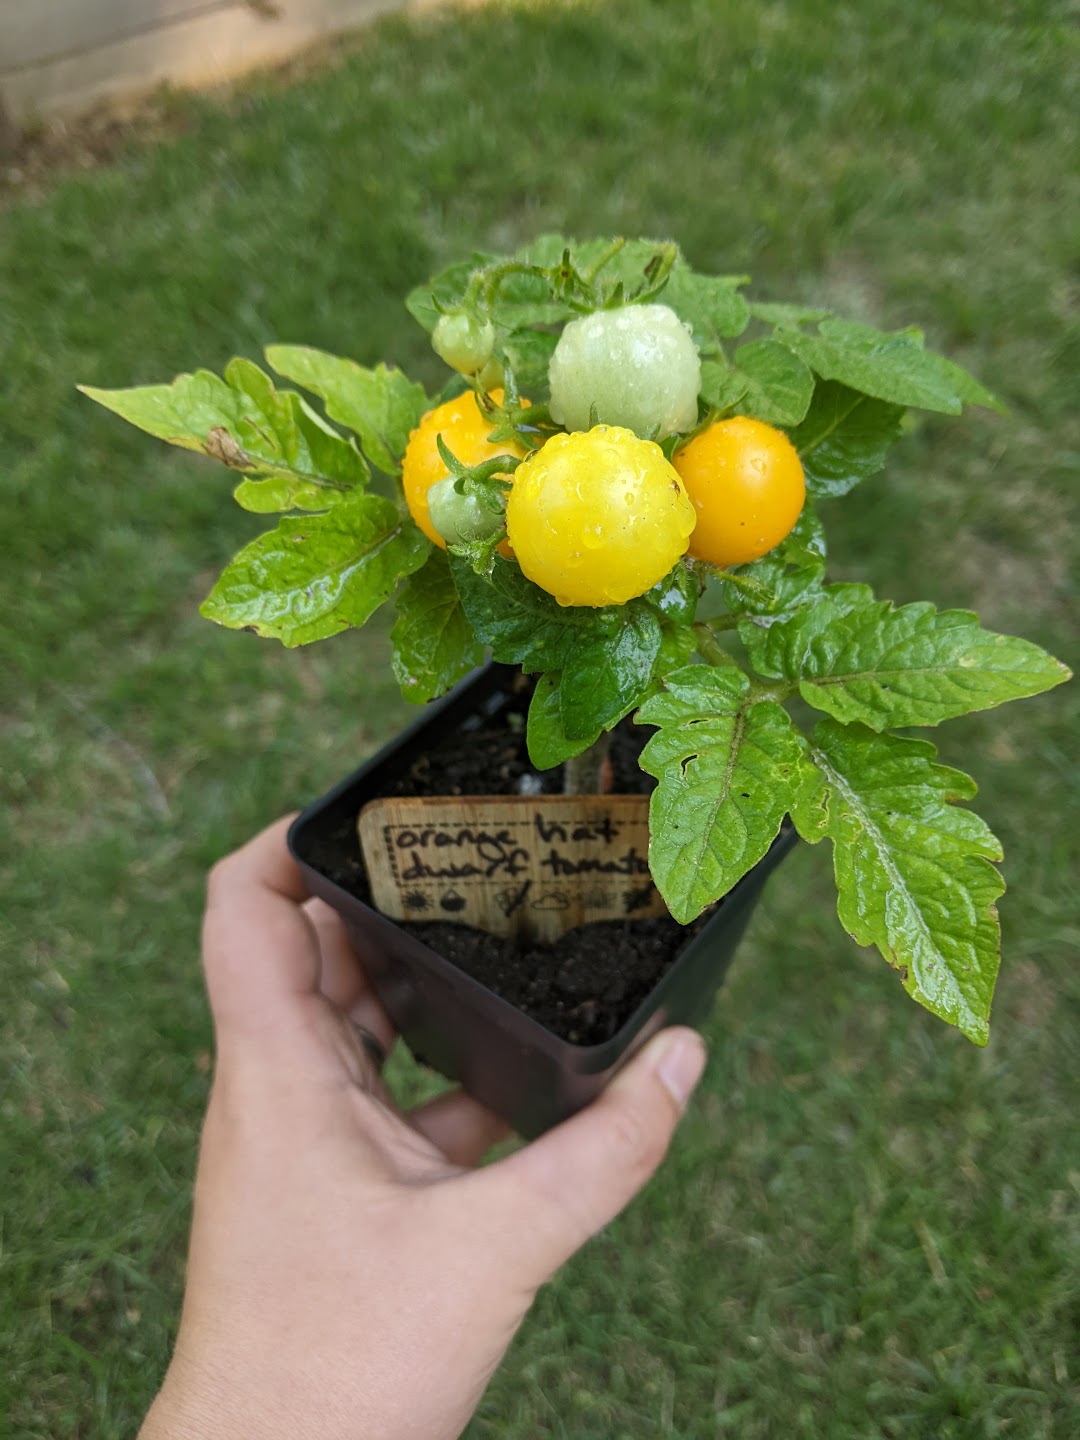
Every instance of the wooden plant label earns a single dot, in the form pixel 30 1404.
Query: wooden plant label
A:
pixel 527 866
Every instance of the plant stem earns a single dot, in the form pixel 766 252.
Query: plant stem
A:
pixel 590 772
pixel 709 647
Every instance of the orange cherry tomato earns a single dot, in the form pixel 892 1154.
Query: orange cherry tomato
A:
pixel 746 482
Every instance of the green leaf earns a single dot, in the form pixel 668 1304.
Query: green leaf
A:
pixel 521 623
pixel 722 386
pixel 549 744
pixel 245 423
pixel 278 493
pixel 710 304
pixel 606 673
pixel 624 270
pixel 316 575
pixel 913 871
pixel 529 353
pixel 891 365
pixel 606 656
pixel 381 406
pixel 676 596
pixel 844 438
pixel 784 314
pixel 862 659
pixel 434 646
pixel 782 590
pixel 677 645
pixel 790 576
pixel 547 249
pixel 728 769
pixel 779 385
pixel 805 545
pixel 523 300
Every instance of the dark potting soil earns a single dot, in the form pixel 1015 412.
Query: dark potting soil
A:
pixel 588 983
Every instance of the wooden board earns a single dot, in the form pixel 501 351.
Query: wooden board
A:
pixel 530 867
pixel 33 31
pixel 62 56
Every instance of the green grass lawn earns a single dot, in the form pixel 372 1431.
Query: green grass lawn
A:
pixel 867 1227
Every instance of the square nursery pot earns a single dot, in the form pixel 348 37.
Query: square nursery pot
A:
pixel 503 1057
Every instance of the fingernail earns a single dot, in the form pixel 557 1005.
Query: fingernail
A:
pixel 681 1065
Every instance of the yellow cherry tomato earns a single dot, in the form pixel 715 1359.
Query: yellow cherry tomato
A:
pixel 746 481
pixel 464 429
pixel 597 517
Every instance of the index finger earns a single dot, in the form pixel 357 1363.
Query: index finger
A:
pixel 259 948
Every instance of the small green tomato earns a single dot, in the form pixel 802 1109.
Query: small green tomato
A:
pixel 463 519
pixel 464 341
pixel 637 365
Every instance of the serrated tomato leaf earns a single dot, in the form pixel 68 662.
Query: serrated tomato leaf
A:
pixel 606 656
pixel 316 575
pixel 844 438
pixel 521 623
pixel 728 769
pixel 722 386
pixel 861 659
pixel 778 384
pixel 889 365
pixel 710 304
pixel 607 671
pixel 380 406
pixel 913 870
pixel 434 646
pixel 245 423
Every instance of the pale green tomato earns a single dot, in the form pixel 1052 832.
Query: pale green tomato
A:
pixel 464 341
pixel 638 366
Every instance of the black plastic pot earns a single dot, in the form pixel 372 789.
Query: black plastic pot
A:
pixel 504 1058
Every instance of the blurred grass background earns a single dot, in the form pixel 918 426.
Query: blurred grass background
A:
pixel 867 1227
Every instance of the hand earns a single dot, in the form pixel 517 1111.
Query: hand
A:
pixel 350 1275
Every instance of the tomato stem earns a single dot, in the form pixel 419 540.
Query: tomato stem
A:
pixel 708 645
pixel 590 773
pixel 776 690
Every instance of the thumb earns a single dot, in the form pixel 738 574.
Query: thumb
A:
pixel 571 1182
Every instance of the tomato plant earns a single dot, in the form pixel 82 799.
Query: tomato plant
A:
pixel 691 595
pixel 746 482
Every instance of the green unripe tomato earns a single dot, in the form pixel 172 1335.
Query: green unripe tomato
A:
pixel 637 365
pixel 462 519
pixel 464 341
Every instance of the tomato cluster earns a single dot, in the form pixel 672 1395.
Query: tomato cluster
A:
pixel 598 514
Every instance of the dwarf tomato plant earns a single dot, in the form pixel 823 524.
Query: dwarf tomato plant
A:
pixel 620 593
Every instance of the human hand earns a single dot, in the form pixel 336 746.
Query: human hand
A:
pixel 349 1274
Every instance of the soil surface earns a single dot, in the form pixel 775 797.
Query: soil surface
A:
pixel 587 984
